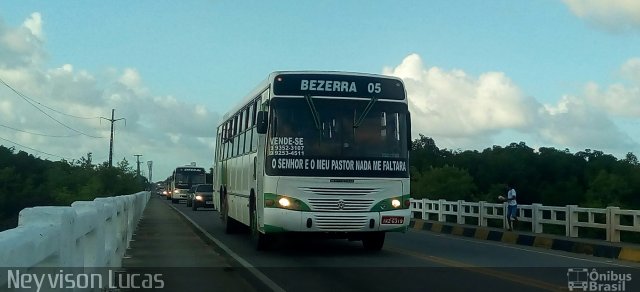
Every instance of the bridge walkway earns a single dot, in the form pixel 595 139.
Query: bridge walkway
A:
pixel 166 244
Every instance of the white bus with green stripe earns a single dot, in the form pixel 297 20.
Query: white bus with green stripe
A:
pixel 316 152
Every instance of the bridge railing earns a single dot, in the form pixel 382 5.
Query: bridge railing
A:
pixel 86 234
pixel 612 220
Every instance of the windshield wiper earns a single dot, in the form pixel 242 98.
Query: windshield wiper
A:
pixel 365 112
pixel 314 111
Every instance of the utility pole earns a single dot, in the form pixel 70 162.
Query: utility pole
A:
pixel 152 186
pixel 150 165
pixel 138 163
pixel 112 120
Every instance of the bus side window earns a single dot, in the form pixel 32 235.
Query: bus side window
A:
pixel 250 130
pixel 217 153
pixel 245 139
pixel 255 112
pixel 235 136
pixel 240 133
pixel 229 139
pixel 246 118
pixel 226 140
pixel 254 134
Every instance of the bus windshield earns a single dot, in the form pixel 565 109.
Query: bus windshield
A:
pixel 187 178
pixel 364 137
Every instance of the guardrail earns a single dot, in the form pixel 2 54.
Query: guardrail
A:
pixel 86 234
pixel 612 219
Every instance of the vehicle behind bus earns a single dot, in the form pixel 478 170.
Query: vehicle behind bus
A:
pixel 182 179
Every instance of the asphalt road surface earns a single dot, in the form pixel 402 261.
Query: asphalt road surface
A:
pixel 413 261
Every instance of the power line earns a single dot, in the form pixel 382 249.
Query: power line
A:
pixel 57 111
pixel 36 150
pixel 28 100
pixel 39 134
pixel 48 107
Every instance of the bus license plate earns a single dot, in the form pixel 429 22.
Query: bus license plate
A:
pixel 392 220
pixel 209 202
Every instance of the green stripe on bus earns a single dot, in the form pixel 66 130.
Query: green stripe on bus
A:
pixel 273 229
pixel 295 204
pixel 385 204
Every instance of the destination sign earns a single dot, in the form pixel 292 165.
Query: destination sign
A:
pixel 338 85
pixel 190 169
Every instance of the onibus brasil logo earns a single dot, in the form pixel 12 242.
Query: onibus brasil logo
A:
pixel 594 280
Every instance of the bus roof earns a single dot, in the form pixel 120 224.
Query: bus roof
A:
pixel 264 84
pixel 189 168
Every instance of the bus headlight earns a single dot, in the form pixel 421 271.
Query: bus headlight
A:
pixel 199 198
pixel 284 202
pixel 395 203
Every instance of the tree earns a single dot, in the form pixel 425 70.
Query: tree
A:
pixel 631 159
pixel 607 189
pixel 445 182
pixel 124 166
pixel 562 193
pixel 547 176
pixel 27 181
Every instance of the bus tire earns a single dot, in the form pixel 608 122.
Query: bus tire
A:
pixel 229 223
pixel 373 241
pixel 174 201
pixel 260 241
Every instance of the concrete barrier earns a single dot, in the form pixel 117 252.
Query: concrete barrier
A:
pixel 86 234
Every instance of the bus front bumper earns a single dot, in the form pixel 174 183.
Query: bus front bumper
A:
pixel 283 220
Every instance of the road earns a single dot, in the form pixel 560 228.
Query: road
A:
pixel 412 261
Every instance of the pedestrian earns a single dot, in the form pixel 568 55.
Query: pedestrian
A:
pixel 512 206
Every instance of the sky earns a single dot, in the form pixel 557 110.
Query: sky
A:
pixel 550 73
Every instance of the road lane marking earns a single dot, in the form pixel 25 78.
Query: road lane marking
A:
pixel 480 270
pixel 492 243
pixel 253 270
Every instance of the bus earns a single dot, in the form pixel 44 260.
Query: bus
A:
pixel 167 188
pixel 182 179
pixel 316 152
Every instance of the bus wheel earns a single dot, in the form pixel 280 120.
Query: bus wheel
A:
pixel 373 241
pixel 229 223
pixel 260 241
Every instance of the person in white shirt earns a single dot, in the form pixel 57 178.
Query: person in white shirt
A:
pixel 512 206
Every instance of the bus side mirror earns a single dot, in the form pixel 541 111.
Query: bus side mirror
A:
pixel 261 122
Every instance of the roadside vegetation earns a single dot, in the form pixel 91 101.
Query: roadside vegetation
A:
pixel 27 181
pixel 549 176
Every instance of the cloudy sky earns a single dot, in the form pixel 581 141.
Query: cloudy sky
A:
pixel 551 73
